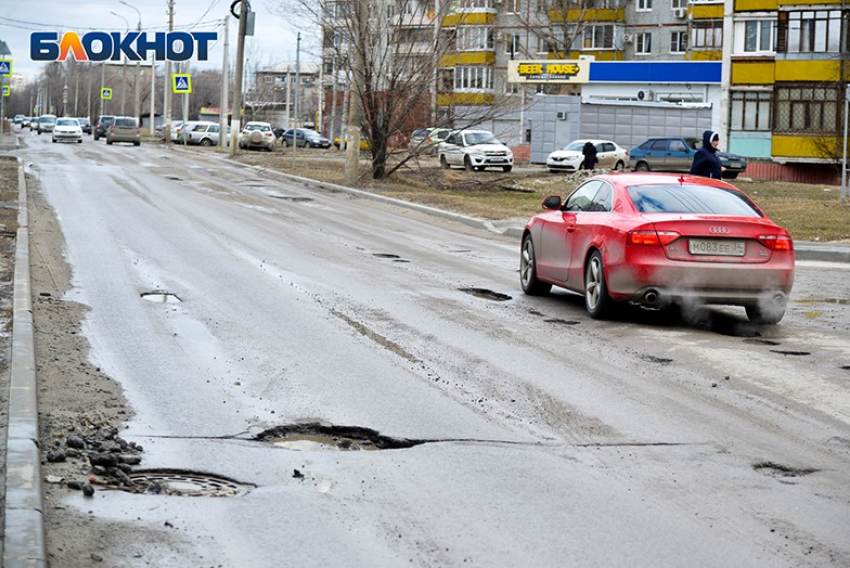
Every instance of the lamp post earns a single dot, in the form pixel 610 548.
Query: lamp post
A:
pixel 138 108
pixel 123 66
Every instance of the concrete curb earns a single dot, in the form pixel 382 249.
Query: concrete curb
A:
pixel 24 542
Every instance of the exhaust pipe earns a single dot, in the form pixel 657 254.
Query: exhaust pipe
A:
pixel 651 297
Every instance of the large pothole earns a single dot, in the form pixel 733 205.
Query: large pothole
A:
pixel 319 437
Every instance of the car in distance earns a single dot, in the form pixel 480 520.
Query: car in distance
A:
pixel 67 130
pixel 304 137
pixel 676 154
pixel 18 119
pixel 569 158
pixel 85 124
pixel 124 129
pixel 427 140
pixel 257 134
pixel 45 123
pixel 204 134
pixel 475 150
pixel 659 240
pixel 184 136
pixel 102 125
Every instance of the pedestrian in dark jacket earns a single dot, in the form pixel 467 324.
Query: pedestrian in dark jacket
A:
pixel 706 162
pixel 589 153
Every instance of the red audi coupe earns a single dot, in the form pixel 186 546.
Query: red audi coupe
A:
pixel 658 240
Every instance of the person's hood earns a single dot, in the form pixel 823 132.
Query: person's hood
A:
pixel 707 137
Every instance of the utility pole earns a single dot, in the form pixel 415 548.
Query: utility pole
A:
pixel 355 101
pixel 138 108
pixel 237 91
pixel 225 77
pixel 297 89
pixel 167 93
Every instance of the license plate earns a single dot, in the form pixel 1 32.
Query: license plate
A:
pixel 499 160
pixel 716 247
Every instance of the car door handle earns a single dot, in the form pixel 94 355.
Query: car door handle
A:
pixel 570 227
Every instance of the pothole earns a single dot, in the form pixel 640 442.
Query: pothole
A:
pixel 181 483
pixel 844 367
pixel 790 352
pixel 161 297
pixel 756 341
pixel 838 301
pixel 778 470
pixel 486 294
pixel 386 255
pixel 173 178
pixel 292 198
pixel 658 360
pixel 562 321
pixel 318 437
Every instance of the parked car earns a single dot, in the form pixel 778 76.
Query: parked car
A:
pixel 18 119
pixel 304 137
pixel 85 124
pixel 45 123
pixel 124 129
pixel 427 140
pixel 475 150
pixel 659 240
pixel 67 129
pixel 204 134
pixel 102 125
pixel 185 131
pixel 676 154
pixel 341 144
pixel 257 135
pixel 569 158
pixel 25 122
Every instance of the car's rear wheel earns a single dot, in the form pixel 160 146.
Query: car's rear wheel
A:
pixel 769 312
pixel 206 142
pixel 109 142
pixel 286 143
pixel 467 164
pixel 443 162
pixel 619 166
pixel 528 270
pixel 642 167
pixel 596 298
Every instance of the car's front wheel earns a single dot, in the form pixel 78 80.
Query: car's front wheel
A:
pixel 528 270
pixel 596 298
pixel 642 167
pixel 467 164
pixel 507 168
pixel 206 142
pixel 443 162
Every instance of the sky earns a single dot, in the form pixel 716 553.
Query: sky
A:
pixel 274 40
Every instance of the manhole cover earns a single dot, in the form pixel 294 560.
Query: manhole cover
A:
pixel 486 294
pixel 184 484
pixel 318 437
pixel 161 297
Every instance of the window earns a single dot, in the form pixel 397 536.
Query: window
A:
pixel 678 42
pixel 750 111
pixel 809 31
pixel 598 37
pixel 758 36
pixel 644 44
pixel 678 145
pixel 474 38
pixel 707 34
pixel 472 4
pixel 676 4
pixel 644 5
pixel 473 78
pixel 513 6
pixel 806 108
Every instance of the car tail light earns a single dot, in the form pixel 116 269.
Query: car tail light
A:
pixel 777 242
pixel 652 238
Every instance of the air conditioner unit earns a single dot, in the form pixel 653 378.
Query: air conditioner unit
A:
pixel 681 13
pixel 628 38
pixel 645 95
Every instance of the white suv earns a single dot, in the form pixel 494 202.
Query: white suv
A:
pixel 257 134
pixel 475 150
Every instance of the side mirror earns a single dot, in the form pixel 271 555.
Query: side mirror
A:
pixel 552 202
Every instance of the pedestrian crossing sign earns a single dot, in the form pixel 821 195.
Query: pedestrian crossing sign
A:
pixel 182 83
pixel 7 90
pixel 106 94
pixel 6 67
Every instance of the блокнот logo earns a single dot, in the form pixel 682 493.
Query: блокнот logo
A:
pixel 104 46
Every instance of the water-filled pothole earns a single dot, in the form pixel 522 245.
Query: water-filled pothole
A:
pixel 318 437
pixel 789 352
pixel 778 470
pixel 184 484
pixel 486 294
pixel 161 297
pixel 757 341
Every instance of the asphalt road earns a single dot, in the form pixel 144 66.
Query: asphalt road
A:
pixel 521 432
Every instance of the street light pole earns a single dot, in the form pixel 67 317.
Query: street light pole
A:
pixel 123 66
pixel 138 108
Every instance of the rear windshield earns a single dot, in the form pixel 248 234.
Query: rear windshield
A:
pixel 675 198
pixel 125 122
